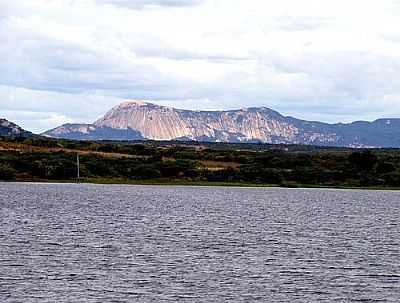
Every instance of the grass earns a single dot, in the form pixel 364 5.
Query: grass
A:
pixel 180 182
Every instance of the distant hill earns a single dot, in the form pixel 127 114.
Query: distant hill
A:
pixel 93 132
pixel 10 129
pixel 142 120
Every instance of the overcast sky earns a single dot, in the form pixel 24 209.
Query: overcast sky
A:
pixel 72 60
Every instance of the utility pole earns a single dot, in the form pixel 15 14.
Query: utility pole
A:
pixel 78 168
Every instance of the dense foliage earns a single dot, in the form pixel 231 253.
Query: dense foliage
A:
pixel 49 159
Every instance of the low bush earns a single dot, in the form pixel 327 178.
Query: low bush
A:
pixel 6 172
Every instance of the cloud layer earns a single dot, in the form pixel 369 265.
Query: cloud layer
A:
pixel 139 4
pixel 71 60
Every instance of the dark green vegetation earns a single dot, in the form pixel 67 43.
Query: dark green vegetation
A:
pixel 197 163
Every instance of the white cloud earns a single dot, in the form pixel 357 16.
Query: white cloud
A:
pixel 336 61
pixel 136 4
pixel 41 110
pixel 37 121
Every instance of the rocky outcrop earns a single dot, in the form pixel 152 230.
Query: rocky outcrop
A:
pixel 138 119
pixel 166 123
pixel 10 129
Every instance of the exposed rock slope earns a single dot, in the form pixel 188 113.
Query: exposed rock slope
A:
pixel 165 123
pixel 139 119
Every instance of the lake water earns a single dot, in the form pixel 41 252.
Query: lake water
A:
pixel 94 243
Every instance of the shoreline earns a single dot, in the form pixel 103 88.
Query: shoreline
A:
pixel 102 181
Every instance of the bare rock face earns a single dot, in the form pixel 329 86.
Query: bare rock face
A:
pixel 142 120
pixel 166 123
pixel 153 121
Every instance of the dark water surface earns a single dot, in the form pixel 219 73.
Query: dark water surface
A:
pixel 93 243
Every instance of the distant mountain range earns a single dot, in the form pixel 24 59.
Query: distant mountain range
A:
pixel 93 132
pixel 139 120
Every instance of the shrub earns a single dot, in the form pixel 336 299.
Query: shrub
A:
pixel 363 161
pixel 143 172
pixel 392 179
pixel 385 167
pixel 6 172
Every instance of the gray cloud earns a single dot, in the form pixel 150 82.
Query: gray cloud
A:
pixel 137 4
pixel 42 64
pixel 55 70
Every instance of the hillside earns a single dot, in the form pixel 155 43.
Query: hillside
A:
pixel 10 129
pixel 134 120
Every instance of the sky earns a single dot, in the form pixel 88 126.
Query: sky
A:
pixel 72 60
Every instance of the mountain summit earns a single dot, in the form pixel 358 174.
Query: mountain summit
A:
pixel 138 119
pixel 165 123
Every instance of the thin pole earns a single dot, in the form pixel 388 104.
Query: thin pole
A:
pixel 77 164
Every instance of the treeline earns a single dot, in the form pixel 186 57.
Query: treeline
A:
pixel 43 159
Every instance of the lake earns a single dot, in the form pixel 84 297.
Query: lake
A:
pixel 112 243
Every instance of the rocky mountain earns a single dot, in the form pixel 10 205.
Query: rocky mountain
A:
pixel 138 119
pixel 9 129
pixel 93 132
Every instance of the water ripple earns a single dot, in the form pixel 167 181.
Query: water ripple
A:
pixel 93 243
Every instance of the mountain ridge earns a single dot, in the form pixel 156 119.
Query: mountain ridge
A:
pixel 138 119
pixel 10 129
